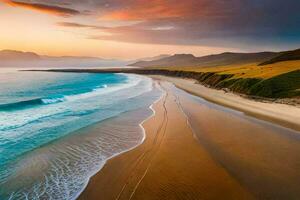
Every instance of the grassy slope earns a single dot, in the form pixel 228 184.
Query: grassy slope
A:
pixel 284 85
pixel 278 80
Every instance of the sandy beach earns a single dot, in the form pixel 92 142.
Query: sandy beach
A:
pixel 285 115
pixel 197 150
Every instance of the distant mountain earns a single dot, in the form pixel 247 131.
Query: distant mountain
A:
pixel 12 58
pixel 151 58
pixel 17 55
pixel 284 56
pixel 177 59
pixel 226 58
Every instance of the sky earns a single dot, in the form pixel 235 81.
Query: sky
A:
pixel 129 29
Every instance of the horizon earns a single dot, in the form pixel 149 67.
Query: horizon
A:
pixel 137 29
pixel 141 58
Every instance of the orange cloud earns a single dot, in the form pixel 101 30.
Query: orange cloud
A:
pixel 49 9
pixel 158 9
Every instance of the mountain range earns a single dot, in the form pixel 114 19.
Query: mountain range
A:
pixel 223 59
pixel 12 58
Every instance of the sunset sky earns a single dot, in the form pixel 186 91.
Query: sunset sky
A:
pixel 130 29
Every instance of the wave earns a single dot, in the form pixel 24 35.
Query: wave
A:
pixel 20 105
pixel 29 103
pixel 53 100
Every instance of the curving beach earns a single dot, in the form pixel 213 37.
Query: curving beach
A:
pixel 195 149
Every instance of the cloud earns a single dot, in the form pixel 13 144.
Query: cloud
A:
pixel 50 9
pixel 190 22
pixel 75 25
pixel 170 9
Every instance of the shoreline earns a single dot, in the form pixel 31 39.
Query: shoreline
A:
pixel 271 112
pixel 127 150
pixel 83 193
pixel 151 107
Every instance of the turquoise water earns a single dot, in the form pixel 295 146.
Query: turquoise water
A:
pixel 39 110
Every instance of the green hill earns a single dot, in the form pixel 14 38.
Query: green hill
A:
pixel 284 85
pixel 284 56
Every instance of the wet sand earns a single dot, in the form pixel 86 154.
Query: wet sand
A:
pixel 197 150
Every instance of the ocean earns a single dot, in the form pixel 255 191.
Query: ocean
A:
pixel 59 129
